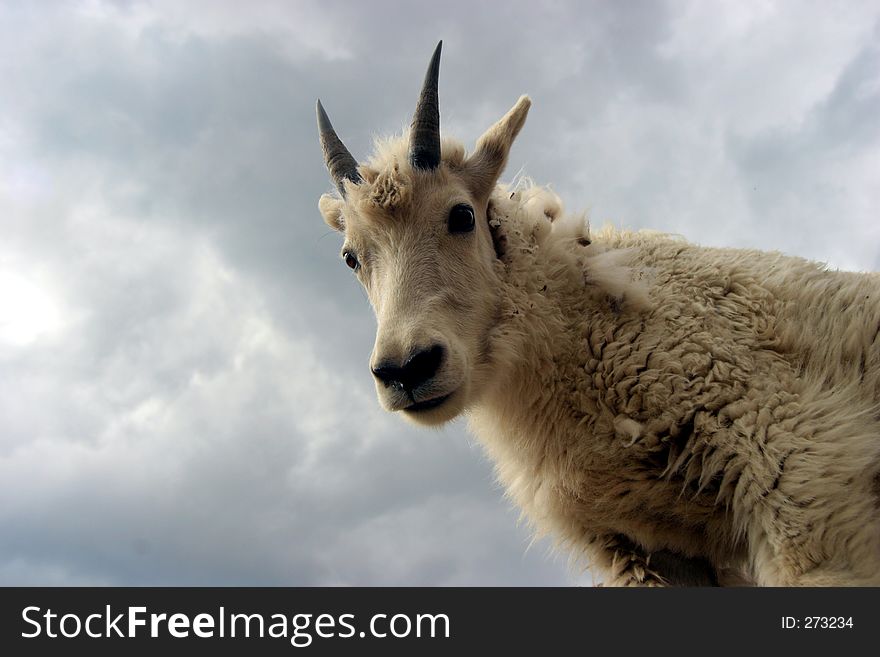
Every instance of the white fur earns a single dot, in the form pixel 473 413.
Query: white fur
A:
pixel 672 413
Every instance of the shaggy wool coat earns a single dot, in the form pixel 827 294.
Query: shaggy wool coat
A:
pixel 680 414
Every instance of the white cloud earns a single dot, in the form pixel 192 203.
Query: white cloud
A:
pixel 27 310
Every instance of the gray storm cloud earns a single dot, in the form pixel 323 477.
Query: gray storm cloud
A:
pixel 184 392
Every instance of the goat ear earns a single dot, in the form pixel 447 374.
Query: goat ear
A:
pixel 490 156
pixel 331 210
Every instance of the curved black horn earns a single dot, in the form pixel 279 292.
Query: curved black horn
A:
pixel 339 161
pixel 424 138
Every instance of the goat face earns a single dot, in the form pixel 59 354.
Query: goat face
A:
pixel 417 238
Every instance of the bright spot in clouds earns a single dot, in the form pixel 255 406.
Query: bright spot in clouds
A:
pixel 27 310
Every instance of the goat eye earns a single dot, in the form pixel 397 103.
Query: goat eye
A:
pixel 461 218
pixel 350 260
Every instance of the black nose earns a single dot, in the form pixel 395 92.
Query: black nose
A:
pixel 420 367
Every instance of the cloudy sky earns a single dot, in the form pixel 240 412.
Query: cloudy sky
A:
pixel 184 392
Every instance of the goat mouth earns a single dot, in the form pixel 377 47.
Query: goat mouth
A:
pixel 427 404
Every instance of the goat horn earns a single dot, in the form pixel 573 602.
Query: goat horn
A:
pixel 424 139
pixel 339 161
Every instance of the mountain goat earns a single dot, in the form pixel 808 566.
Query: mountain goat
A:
pixel 676 415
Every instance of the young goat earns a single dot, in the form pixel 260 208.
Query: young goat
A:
pixel 675 414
